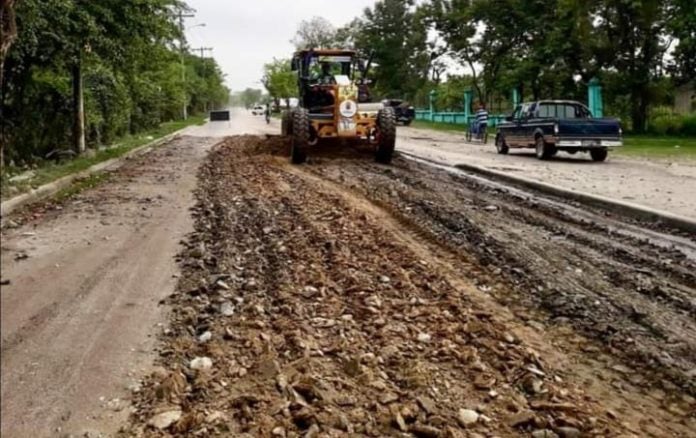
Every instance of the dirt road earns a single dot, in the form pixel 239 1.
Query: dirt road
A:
pixel 659 183
pixel 81 309
pixel 344 297
pixel 338 298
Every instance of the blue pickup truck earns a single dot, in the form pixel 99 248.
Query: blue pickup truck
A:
pixel 550 126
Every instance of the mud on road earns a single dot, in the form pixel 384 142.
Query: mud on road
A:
pixel 347 298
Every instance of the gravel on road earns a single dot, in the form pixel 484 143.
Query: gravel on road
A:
pixel 346 298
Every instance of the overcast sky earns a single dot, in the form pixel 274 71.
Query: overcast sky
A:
pixel 246 34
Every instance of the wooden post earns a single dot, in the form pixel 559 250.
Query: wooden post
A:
pixel 78 107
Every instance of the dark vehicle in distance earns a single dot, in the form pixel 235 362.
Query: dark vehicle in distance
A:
pixel 550 126
pixel 405 113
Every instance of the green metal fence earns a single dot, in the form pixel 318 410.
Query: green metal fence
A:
pixel 594 102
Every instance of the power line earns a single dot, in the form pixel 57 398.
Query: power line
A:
pixel 202 50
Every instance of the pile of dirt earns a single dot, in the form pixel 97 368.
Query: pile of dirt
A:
pixel 299 313
pixel 251 145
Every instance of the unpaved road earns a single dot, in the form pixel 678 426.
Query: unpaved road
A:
pixel 347 298
pixel 340 298
pixel 80 312
pixel 660 183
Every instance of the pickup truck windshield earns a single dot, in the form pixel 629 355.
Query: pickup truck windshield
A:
pixel 562 111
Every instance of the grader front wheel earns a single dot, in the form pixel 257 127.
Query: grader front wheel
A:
pixel 300 135
pixel 386 135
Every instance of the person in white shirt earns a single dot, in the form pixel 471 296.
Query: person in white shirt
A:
pixel 481 120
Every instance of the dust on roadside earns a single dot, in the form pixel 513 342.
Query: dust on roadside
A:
pixel 299 314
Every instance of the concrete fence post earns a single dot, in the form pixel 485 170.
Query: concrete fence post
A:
pixel 594 98
pixel 468 98
pixel 432 97
pixel 515 98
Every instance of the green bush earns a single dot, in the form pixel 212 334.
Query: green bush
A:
pixel 689 124
pixel 666 125
pixel 664 121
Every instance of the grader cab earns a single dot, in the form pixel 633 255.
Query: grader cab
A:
pixel 334 103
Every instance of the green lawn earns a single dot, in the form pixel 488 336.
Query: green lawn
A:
pixel 424 124
pixel 50 171
pixel 651 146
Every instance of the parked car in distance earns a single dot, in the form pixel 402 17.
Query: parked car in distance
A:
pixel 258 110
pixel 405 113
pixel 550 126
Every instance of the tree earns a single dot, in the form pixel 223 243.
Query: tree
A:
pixel 681 25
pixel 634 31
pixel 8 34
pixel 315 33
pixel 250 97
pixel 124 50
pixel 8 30
pixel 392 32
pixel 280 81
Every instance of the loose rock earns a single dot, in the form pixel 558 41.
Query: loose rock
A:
pixel 467 417
pixel 165 419
pixel 201 363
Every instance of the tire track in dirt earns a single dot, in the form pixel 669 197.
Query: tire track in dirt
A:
pixel 657 331
pixel 323 315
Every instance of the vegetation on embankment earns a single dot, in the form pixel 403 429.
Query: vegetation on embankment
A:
pixel 48 171
pixel 126 56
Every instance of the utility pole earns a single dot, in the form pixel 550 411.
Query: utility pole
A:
pixel 78 106
pixel 182 49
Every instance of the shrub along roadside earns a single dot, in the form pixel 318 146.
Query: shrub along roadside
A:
pixel 664 121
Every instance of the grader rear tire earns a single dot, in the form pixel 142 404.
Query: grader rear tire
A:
pixel 386 126
pixel 300 136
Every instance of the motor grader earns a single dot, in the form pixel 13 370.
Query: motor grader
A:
pixel 334 103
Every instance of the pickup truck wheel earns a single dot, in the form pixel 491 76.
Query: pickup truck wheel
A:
pixel 500 145
pixel 599 154
pixel 544 151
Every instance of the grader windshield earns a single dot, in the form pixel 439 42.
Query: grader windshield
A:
pixel 318 66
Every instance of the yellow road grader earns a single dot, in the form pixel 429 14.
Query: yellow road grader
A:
pixel 334 103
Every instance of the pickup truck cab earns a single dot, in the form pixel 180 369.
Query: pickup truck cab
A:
pixel 550 126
